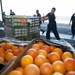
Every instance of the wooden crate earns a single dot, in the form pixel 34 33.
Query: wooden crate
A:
pixel 3 66
pixel 17 62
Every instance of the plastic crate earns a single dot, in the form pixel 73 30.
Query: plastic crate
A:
pixel 17 20
pixel 34 21
pixel 22 31
pixel 14 20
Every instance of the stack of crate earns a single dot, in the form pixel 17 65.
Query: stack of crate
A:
pixel 16 27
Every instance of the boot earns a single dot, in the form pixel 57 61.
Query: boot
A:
pixel 42 31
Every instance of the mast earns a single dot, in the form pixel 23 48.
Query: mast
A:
pixel 1 8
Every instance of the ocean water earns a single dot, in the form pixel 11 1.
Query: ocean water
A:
pixel 63 19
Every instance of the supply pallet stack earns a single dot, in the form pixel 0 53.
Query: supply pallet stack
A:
pixel 22 27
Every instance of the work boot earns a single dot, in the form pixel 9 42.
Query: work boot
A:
pixel 42 31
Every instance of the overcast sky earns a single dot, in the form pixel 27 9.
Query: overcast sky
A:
pixel 28 7
pixel 64 7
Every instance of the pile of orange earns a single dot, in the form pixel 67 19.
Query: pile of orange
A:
pixel 9 51
pixel 45 59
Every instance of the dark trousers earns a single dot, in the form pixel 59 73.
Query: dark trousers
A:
pixel 73 29
pixel 52 27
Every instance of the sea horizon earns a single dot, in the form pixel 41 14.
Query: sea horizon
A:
pixel 62 19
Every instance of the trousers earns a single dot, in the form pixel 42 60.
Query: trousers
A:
pixel 73 29
pixel 52 27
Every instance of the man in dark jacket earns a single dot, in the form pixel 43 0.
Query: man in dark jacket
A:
pixel 52 24
pixel 73 24
pixel 39 15
pixel 11 12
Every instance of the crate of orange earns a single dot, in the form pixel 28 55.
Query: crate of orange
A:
pixel 43 57
pixel 22 27
pixel 9 52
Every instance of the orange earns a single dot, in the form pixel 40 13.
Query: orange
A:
pixel 23 21
pixel 57 73
pixel 2 50
pixel 46 69
pixel 21 48
pixel 2 54
pixel 26 60
pixel 70 73
pixel 3 47
pixel 39 60
pixel 2 59
pixel 36 46
pixel 53 56
pixel 59 66
pixel 14 72
pixel 46 48
pixel 3 42
pixel 16 51
pixel 66 55
pixel 14 47
pixel 47 60
pixel 52 48
pixel 70 64
pixel 21 69
pixel 7 46
pixel 58 50
pixel 40 43
pixel 32 52
pixel 8 56
pixel 8 50
pixel 42 52
pixel 31 69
